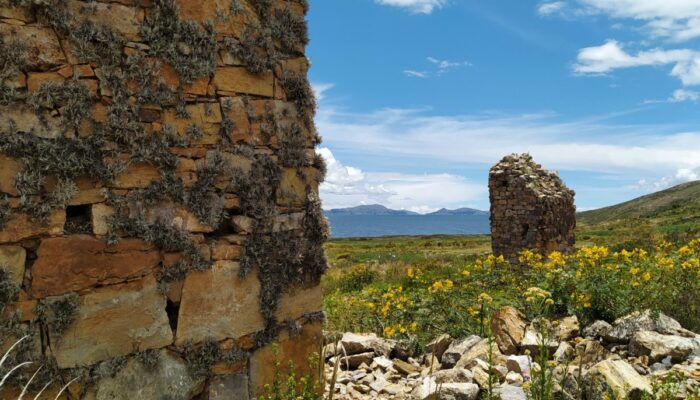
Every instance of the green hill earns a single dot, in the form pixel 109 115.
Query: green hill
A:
pixel 672 214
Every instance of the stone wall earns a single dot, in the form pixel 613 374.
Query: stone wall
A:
pixel 531 208
pixel 160 226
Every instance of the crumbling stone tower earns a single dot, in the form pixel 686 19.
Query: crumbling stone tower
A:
pixel 160 226
pixel 531 208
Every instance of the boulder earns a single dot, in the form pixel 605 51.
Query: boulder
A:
pixel 355 343
pixel 481 351
pixel 625 327
pixel 590 352
pixel 567 328
pixel 508 326
pixel 533 340
pixel 596 330
pixel 456 349
pixel 458 391
pixel 438 346
pixel 519 364
pixel 618 378
pixel 658 346
pixel 453 375
pixel 170 378
pixel 355 360
pixel 564 352
pixel 511 392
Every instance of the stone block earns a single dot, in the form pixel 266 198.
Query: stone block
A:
pixel 44 49
pixel 13 258
pixel 297 302
pixel 230 81
pixel 75 263
pixel 114 321
pixel 20 226
pixel 218 303
pixel 297 349
pixel 122 19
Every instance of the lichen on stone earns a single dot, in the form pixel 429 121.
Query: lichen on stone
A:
pixel 8 288
pixel 59 312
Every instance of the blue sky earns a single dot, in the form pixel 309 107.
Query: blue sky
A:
pixel 418 98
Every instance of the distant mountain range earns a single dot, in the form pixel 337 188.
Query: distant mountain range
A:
pixel 378 209
pixel 377 220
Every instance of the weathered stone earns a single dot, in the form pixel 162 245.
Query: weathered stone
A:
pixel 36 79
pixel 404 367
pixel 122 19
pixel 170 378
pixel 114 321
pixel 564 352
pixel 658 346
pixel 9 168
pixel 206 116
pixel 234 110
pixel 236 80
pixel 598 329
pixel 567 328
pixel 519 364
pixel 292 190
pixel 455 351
pixel 228 387
pixel 508 326
pixel 90 262
pixel 13 259
pixel 26 120
pixel 533 340
pixel 20 226
pixel 223 250
pixel 457 391
pixel 616 377
pixel 44 49
pixel 510 392
pixel 438 346
pixel 218 303
pixel 354 343
pixel 297 349
pixel 485 351
pixel 590 352
pixel 625 327
pixel 547 225
pixel 100 214
pixel 453 375
pixel 295 303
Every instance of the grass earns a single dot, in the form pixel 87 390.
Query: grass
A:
pixel 416 288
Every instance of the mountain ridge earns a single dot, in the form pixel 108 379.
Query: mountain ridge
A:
pixel 378 209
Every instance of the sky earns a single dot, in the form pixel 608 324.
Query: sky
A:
pixel 419 98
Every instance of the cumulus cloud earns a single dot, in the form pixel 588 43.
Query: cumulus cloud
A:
pixel 347 186
pixel 611 56
pixel 681 176
pixel 678 96
pixel 551 8
pixel 416 6
pixel 675 19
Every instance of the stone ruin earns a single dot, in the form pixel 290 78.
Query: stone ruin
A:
pixel 160 227
pixel 531 208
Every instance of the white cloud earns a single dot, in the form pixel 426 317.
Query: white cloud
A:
pixel 415 74
pixel 678 20
pixel 611 56
pixel 416 6
pixel 678 96
pixel 445 65
pixel 346 186
pixel 438 67
pixel 681 176
pixel 320 89
pixel 682 95
pixel 551 8
pixel 586 145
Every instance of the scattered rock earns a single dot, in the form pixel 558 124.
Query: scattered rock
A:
pixel 439 346
pixel 508 326
pixel 454 352
pixel 354 343
pixel 617 377
pixel 511 392
pixel 658 346
pixel 623 328
pixel 596 330
pixel 567 328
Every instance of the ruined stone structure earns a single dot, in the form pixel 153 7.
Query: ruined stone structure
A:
pixel 160 227
pixel 531 208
